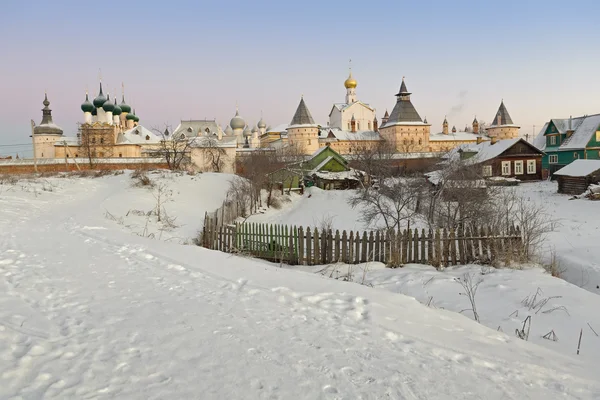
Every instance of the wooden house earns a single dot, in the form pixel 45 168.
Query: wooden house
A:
pixel 568 139
pixel 576 177
pixel 325 169
pixel 508 158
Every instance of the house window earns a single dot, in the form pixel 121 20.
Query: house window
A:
pixel 147 137
pixel 487 170
pixel 518 167
pixel 552 140
pixel 575 155
pixel 505 167
pixel 531 166
pixel 553 158
pixel 120 154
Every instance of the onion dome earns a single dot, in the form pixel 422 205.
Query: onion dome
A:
pixel 247 131
pixel 261 123
pixel 47 126
pixel 237 122
pixel 255 129
pixel 228 131
pixel 87 106
pixel 100 99
pixel 350 83
pixel 124 107
pixel 95 111
pixel 108 106
pixel 116 109
pixel 135 117
pixel 130 117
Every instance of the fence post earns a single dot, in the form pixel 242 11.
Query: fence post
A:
pixel 453 246
pixel 371 252
pixel 317 257
pixel 357 248
pixel 344 247
pixel 300 245
pixel 324 249
pixel 330 247
pixel 337 254
pixel 309 246
pixel 391 240
pixel 363 256
pixel 416 246
pixel 423 244
pixel 438 249
pixel 445 248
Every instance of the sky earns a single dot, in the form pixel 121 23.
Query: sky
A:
pixel 197 59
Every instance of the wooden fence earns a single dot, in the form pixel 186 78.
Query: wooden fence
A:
pixel 227 214
pixel 296 245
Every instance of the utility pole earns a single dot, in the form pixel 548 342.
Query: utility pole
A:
pixel 33 140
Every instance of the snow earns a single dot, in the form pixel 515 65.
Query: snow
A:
pixel 504 299
pixel 579 168
pixel 460 136
pixel 485 150
pixel 90 310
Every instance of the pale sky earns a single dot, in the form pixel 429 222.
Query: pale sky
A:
pixel 196 59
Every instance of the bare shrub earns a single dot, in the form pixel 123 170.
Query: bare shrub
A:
pixel 240 192
pixel 101 172
pixel 174 149
pixel 141 179
pixel 8 179
pixel 470 285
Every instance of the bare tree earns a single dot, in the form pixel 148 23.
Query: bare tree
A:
pixel 470 284
pixel 96 142
pixel 214 154
pixel 174 149
pixel 374 160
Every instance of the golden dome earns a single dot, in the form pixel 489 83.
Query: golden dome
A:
pixel 350 83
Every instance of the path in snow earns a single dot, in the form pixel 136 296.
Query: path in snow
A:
pixel 87 311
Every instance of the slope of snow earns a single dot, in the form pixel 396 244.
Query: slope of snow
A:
pixel 504 299
pixel 89 310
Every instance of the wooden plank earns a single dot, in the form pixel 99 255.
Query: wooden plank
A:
pixel 371 251
pixel 391 249
pixel 430 246
pixel 291 247
pixel 301 242
pixel 452 243
pixel 317 242
pixel 416 246
pixel 493 245
pixel 285 244
pixel 357 241
pixel 330 247
pixel 337 252
pixel 460 235
pixel 363 255
pixel 324 250
pixel 409 246
pixel 438 249
pixel 344 247
pixel 445 248
pixel 351 248
pixel 423 246
pixel 309 242
pixel 404 244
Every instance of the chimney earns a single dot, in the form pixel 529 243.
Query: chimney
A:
pixel 570 130
pixel 375 125
pixel 479 139
pixel 494 140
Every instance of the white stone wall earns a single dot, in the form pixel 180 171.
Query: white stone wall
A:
pixel 362 114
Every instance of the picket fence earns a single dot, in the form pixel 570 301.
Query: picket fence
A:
pixel 297 245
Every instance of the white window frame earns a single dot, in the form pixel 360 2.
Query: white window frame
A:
pixel 531 166
pixel 519 167
pixel 575 155
pixel 505 168
pixel 552 140
pixel 553 159
pixel 487 170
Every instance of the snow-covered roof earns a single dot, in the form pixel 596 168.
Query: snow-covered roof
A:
pixel 341 134
pixel 345 106
pixel 226 141
pixel 583 127
pixel 484 151
pixel 458 136
pixel 198 127
pixel 138 135
pixel 69 140
pixel 579 168
pixel 350 174
pixel 73 160
pixel 279 128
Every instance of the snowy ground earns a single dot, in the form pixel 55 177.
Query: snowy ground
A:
pixel 90 310
pixel 504 299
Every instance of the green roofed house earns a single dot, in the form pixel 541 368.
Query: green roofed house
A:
pixel 325 169
pixel 569 139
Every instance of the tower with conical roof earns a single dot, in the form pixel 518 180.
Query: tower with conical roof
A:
pixel 303 133
pixel 445 126
pixel 502 126
pixel 475 126
pixel 46 134
pixel 404 127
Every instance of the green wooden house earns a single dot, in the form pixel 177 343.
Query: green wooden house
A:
pixel 569 139
pixel 325 168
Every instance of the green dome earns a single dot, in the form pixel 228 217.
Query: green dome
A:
pixel 87 106
pixel 124 107
pixel 117 110
pixel 100 99
pixel 137 119
pixel 108 106
pixel 130 117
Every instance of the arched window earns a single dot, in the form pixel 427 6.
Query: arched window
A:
pixel 147 137
pixel 182 136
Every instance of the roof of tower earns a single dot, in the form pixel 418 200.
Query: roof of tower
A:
pixel 117 110
pixel 302 115
pixel 502 117
pixel 124 107
pixel 404 113
pixel 87 105
pixel 228 131
pixel 237 122
pixel 47 126
pixel 475 120
pixel 386 115
pixel 108 106
pixel 100 99
pixel 350 83
pixel 247 131
pixel 445 121
pixel 262 123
